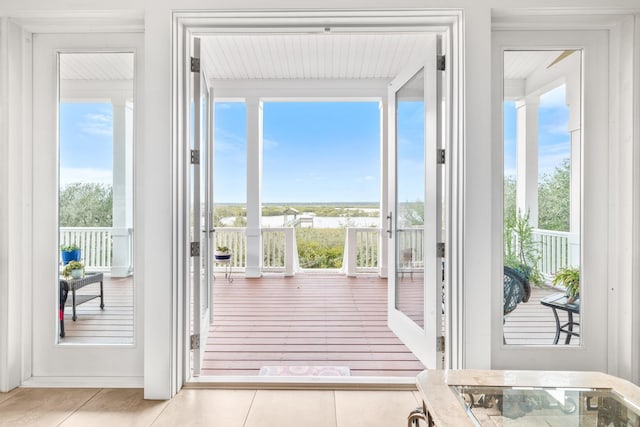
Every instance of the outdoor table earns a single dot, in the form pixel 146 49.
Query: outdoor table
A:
pixel 558 301
pixel 73 285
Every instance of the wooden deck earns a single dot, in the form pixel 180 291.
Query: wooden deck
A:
pixel 531 323
pixel 313 319
pixel 306 320
pixel 113 325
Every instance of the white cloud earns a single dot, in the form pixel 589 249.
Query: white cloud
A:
pixel 97 124
pixel 551 157
pixel 558 128
pixel 73 175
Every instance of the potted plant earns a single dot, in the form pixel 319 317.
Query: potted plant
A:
pixel 569 278
pixel 70 253
pixel 222 253
pixel 74 270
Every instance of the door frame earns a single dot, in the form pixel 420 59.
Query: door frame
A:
pixel 191 24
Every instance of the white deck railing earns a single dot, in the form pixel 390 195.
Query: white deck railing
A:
pixel 96 244
pixel 278 248
pixel 558 249
pixel 234 238
pixel 279 251
pixel 361 249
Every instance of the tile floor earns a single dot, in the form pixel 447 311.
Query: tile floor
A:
pixel 225 408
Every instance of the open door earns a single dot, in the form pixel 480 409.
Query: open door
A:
pixel 200 195
pixel 416 248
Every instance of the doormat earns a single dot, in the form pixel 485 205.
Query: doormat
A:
pixel 305 371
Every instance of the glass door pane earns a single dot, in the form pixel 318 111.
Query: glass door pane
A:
pixel 542 197
pixel 96 128
pixel 410 195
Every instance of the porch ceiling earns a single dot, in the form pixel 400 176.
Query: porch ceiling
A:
pixel 103 66
pixel 520 64
pixel 316 56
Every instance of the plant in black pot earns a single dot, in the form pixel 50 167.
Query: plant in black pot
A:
pixel 74 270
pixel 70 253
pixel 569 278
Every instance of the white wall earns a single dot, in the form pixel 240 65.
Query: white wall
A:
pixel 15 194
pixel 4 203
pixel 156 155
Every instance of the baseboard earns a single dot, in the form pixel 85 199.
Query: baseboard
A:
pixel 84 382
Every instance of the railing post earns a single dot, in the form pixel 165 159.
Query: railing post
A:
pixel 351 248
pixel 121 261
pixel 289 251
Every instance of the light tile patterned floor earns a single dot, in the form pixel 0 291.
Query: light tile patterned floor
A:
pixel 228 408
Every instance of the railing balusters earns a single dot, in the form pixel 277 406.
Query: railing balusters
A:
pixel 555 251
pixel 95 244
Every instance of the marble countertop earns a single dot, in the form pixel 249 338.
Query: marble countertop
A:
pixel 446 410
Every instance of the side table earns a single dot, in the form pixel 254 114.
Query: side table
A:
pixel 73 285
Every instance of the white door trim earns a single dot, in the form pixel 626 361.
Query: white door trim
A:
pixel 201 23
pixel 52 363
pixel 592 353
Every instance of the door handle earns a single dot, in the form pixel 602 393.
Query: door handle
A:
pixel 389 224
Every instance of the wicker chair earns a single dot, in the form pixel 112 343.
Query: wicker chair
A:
pixel 516 290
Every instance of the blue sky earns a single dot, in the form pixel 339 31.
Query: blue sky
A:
pixel 313 152
pixel 86 150
pixel 553 137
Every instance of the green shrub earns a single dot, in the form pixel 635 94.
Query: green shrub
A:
pixel 320 247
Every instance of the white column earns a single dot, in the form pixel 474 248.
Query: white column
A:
pixel 122 215
pixel 383 248
pixel 575 132
pixel 254 187
pixel 527 158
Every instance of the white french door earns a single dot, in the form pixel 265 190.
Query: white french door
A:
pixel 200 206
pixel 415 201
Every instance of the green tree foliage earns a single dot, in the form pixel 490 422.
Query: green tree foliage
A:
pixel 411 213
pixel 554 202
pixel 320 247
pixel 226 211
pixel 86 205
pixel 322 210
pixel 509 199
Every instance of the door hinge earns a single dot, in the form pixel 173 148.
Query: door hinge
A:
pixel 195 248
pixel 440 250
pixel 441 62
pixel 195 157
pixel 440 344
pixel 195 65
pixel 441 156
pixel 195 342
